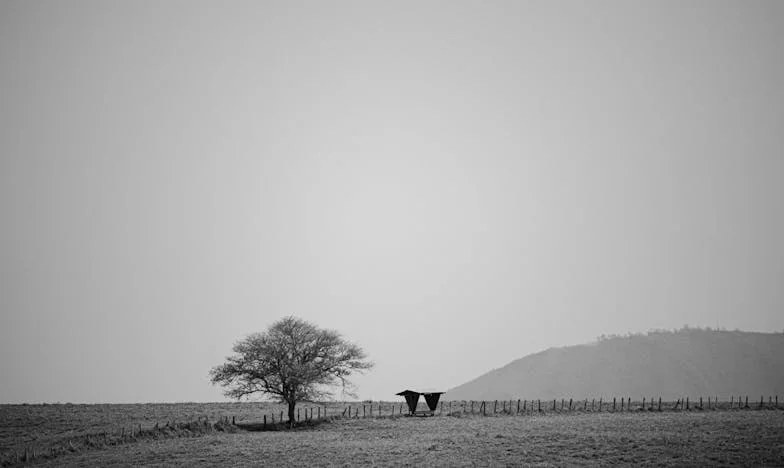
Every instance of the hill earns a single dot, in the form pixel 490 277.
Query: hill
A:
pixel 671 364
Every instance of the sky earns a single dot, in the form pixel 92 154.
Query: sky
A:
pixel 451 185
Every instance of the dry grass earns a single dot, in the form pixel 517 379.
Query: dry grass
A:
pixel 42 429
pixel 654 439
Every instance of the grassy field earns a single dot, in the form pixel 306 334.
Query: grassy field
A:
pixel 737 437
pixel 41 427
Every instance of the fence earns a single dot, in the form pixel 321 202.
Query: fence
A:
pixel 519 407
pixel 121 436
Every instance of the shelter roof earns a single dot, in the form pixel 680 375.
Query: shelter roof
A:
pixel 414 392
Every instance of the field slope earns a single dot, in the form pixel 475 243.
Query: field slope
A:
pixel 689 362
pixel 721 438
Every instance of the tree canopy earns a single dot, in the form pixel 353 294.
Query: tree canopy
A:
pixel 293 360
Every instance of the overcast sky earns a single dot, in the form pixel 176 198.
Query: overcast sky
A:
pixel 452 185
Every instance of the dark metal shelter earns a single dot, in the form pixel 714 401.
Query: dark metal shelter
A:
pixel 412 399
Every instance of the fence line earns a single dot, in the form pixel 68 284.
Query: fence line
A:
pixel 526 407
pixel 120 436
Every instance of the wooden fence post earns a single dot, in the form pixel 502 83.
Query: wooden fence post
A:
pixel 659 403
pixel 265 421
pixel 600 404
pixel 613 403
pixel 553 404
pixel 484 411
pixel 518 407
pixel 539 402
pixel 570 404
pixel 747 401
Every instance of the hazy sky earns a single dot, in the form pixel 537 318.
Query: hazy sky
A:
pixel 452 185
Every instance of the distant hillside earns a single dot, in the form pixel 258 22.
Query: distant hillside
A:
pixel 670 364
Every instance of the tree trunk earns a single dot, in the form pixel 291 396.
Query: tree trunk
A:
pixel 292 404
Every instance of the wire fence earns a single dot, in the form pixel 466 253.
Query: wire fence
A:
pixel 519 407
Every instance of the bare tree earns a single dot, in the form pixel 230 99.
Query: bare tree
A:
pixel 291 361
